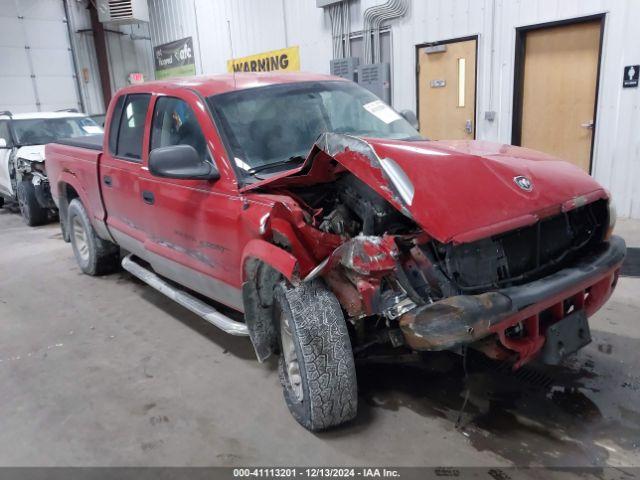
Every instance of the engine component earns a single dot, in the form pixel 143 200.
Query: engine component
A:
pixel 375 213
pixel 340 222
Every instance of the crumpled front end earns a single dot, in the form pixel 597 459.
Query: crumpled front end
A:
pixel 355 219
pixel 546 316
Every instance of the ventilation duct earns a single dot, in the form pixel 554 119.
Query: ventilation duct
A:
pixel 122 12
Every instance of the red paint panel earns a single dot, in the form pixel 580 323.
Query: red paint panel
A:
pixel 465 190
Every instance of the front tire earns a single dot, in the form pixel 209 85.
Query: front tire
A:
pixel 31 210
pixel 316 367
pixel 94 255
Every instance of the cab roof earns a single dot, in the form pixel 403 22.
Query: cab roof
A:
pixel 208 85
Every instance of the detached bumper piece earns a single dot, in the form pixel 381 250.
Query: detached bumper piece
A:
pixel 523 316
pixel 565 337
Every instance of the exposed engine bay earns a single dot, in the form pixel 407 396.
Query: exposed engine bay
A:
pixel 387 266
pixel 416 265
pixel 351 208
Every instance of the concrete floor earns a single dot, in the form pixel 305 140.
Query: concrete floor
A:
pixel 105 371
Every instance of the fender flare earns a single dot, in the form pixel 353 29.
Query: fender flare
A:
pixel 59 195
pixel 272 255
pixel 72 181
pixel 262 264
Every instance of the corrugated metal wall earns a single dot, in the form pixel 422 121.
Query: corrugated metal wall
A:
pixel 259 25
pixel 256 26
pixel 128 52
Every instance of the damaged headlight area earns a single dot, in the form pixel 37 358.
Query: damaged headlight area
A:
pixel 400 287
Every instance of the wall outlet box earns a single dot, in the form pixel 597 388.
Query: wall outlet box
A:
pixel 490 116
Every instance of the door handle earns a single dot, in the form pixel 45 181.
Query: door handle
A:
pixel 148 197
pixel 107 180
pixel 588 125
pixel 468 127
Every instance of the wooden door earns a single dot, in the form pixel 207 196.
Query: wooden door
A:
pixel 559 90
pixel 447 90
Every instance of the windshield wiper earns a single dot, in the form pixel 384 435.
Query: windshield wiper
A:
pixel 259 168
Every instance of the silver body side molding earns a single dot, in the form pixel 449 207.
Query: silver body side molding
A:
pixel 191 303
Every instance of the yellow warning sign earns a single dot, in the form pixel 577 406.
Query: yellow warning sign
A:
pixel 283 60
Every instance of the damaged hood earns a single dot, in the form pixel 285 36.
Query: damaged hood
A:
pixel 33 153
pixel 457 191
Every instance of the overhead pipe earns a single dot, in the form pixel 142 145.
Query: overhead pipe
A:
pixel 374 17
pixel 368 16
pixel 339 16
pixel 399 10
pixel 335 15
pixel 346 28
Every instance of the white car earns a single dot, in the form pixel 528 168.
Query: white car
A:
pixel 23 177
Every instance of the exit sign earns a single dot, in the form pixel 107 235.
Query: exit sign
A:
pixel 136 78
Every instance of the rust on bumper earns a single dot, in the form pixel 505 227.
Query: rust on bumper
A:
pixel 466 319
pixel 454 320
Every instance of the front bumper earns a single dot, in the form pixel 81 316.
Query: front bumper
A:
pixel 466 319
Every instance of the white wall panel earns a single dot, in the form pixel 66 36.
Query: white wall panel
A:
pixel 34 45
pixel 259 25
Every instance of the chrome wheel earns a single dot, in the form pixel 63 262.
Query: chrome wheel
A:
pixel 292 366
pixel 80 239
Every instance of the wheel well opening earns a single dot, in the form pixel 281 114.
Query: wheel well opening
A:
pixel 257 292
pixel 67 193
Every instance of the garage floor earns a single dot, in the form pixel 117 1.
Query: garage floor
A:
pixel 105 371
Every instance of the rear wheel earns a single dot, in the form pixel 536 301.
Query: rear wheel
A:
pixel 94 255
pixel 316 367
pixel 31 210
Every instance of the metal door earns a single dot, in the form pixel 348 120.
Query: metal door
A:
pixel 447 90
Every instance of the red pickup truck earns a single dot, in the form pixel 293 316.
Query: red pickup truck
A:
pixel 317 211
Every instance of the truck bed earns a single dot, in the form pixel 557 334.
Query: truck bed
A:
pixel 92 142
pixel 75 162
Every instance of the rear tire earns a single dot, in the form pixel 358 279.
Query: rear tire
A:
pixel 32 212
pixel 94 255
pixel 316 367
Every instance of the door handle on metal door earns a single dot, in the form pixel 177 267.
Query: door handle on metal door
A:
pixel 107 180
pixel 148 197
pixel 468 127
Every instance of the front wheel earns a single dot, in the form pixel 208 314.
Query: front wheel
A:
pixel 316 367
pixel 32 212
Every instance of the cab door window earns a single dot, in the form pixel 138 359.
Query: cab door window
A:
pixel 131 127
pixel 175 123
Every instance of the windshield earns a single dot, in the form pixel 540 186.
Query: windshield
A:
pixel 274 124
pixel 38 131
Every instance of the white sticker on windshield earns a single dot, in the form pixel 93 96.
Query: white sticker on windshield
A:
pixel 382 111
pixel 92 129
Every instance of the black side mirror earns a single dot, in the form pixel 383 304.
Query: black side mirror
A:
pixel 180 161
pixel 410 117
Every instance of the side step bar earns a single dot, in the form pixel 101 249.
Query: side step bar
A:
pixel 189 302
